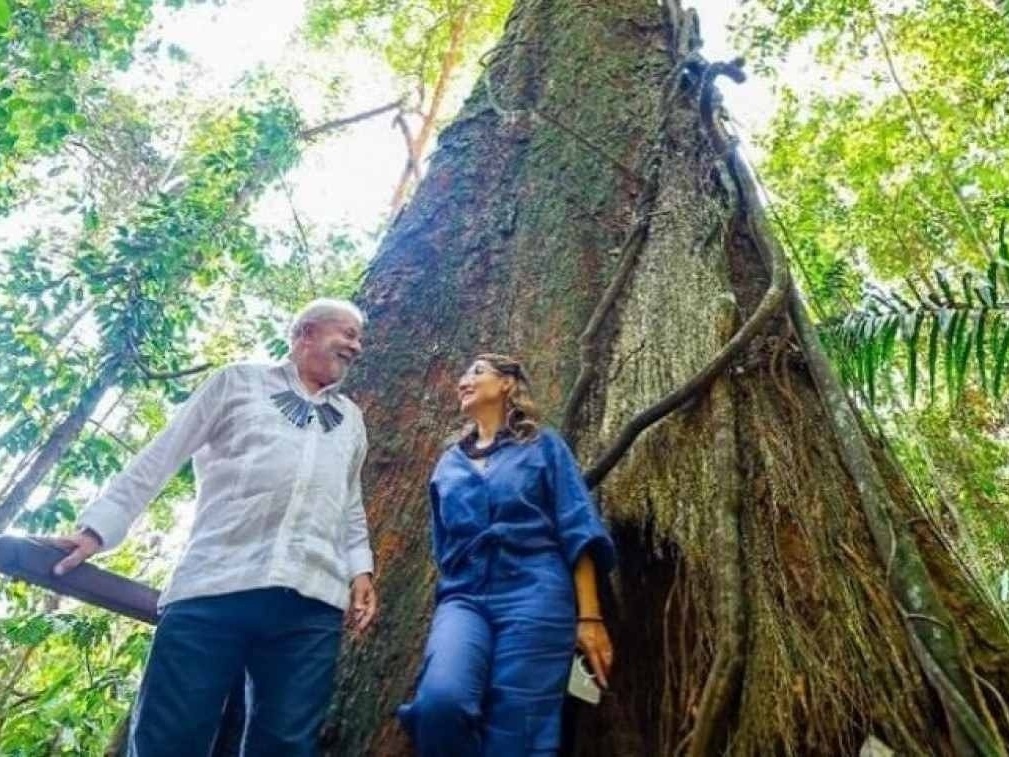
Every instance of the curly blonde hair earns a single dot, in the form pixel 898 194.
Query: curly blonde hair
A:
pixel 523 416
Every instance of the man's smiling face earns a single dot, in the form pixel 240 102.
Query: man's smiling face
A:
pixel 331 347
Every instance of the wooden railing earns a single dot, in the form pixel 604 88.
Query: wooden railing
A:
pixel 32 561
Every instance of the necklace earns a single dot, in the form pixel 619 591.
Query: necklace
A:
pixel 468 444
pixel 300 411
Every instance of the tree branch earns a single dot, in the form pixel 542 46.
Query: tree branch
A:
pixel 112 435
pixel 338 123
pixel 156 376
pixel 306 248
pixel 412 158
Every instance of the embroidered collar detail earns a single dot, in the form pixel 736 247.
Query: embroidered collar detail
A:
pixel 300 411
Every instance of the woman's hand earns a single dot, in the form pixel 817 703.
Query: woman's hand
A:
pixel 594 642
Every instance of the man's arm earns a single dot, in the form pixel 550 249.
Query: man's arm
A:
pixel 364 601
pixel 104 523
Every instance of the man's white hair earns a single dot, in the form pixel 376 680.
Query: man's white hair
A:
pixel 323 309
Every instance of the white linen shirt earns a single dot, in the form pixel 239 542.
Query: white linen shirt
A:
pixel 276 505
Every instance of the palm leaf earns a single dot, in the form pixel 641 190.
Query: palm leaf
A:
pixel 966 320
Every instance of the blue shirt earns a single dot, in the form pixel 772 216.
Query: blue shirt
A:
pixel 529 499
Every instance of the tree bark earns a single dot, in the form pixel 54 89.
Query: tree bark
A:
pixel 779 590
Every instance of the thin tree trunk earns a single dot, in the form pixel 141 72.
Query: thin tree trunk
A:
pixel 852 618
pixel 417 147
pixel 13 677
pixel 966 216
pixel 59 441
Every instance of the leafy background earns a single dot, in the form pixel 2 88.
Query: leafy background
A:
pixel 159 217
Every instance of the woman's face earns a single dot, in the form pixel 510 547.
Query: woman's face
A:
pixel 481 387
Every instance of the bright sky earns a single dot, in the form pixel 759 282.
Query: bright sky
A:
pixel 348 180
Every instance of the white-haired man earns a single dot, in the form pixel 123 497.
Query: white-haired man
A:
pixel 277 552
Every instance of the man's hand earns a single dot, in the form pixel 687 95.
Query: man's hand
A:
pixel 82 546
pixel 363 603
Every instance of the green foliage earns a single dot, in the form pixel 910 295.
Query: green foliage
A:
pixel 950 324
pixel 892 167
pixel 958 454
pixel 891 195
pixel 44 712
pixel 412 35
pixel 152 264
pixel 143 287
pixel 47 52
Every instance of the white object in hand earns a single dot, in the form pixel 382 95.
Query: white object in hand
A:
pixel 581 682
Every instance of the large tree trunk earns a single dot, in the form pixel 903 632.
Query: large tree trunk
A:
pixel 779 591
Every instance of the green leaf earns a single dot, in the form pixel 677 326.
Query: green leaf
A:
pixel 968 288
pixel 869 369
pixel 964 336
pixel 933 356
pixel 949 351
pixel 1000 361
pixel 911 342
pixel 5 14
pixel 909 282
pixel 945 287
pixel 979 348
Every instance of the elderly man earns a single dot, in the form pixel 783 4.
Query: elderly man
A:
pixel 278 549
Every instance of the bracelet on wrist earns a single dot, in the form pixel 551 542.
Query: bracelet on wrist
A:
pixel 590 619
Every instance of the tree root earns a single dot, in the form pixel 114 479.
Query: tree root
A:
pixel 724 676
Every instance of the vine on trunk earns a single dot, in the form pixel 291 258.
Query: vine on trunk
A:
pixel 933 638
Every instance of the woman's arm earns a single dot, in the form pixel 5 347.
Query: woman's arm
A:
pixel 592 639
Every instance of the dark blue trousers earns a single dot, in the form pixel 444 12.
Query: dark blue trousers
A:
pixel 496 666
pixel 287 645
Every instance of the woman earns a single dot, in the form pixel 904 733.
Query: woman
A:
pixel 513 522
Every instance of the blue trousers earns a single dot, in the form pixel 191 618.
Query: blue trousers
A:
pixel 285 643
pixel 496 666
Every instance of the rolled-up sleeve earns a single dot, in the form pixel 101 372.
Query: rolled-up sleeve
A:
pixel 133 489
pixel 579 525
pixel 359 556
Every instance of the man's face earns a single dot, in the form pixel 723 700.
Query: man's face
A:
pixel 331 346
